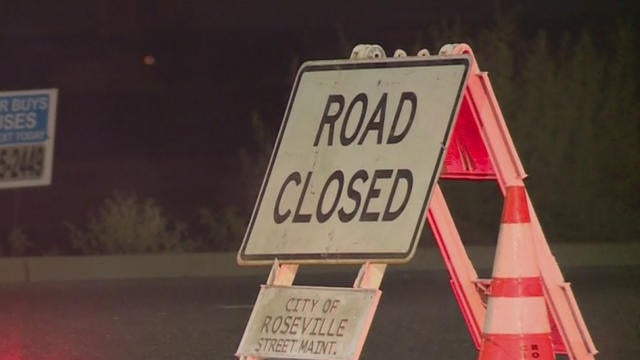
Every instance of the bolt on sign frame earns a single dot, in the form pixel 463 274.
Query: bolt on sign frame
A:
pixel 480 149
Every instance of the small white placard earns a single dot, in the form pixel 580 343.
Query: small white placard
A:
pixel 309 323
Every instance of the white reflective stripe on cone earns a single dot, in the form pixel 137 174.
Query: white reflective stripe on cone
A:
pixel 516 315
pixel 515 256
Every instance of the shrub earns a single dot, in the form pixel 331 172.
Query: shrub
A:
pixel 225 229
pixel 19 244
pixel 125 224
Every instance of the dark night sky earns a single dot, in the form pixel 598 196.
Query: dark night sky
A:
pixel 172 130
pixel 215 62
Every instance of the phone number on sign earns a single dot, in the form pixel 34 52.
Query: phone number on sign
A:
pixel 21 162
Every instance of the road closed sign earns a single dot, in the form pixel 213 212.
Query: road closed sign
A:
pixel 359 150
pixel 27 127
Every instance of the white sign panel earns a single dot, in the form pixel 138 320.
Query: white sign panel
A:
pixel 359 150
pixel 27 129
pixel 309 323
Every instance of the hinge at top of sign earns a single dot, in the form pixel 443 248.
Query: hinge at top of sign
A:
pixel 367 51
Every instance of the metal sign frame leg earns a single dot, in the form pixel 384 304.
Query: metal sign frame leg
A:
pixel 463 275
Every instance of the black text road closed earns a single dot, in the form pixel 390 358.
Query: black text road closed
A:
pixel 359 150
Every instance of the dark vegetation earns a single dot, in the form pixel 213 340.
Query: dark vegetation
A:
pixel 571 99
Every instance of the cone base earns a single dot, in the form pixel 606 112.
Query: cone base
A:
pixel 516 347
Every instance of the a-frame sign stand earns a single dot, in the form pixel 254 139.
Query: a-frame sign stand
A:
pixel 480 148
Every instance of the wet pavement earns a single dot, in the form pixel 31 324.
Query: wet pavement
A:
pixel 204 318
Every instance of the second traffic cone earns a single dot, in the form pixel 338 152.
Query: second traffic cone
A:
pixel 516 324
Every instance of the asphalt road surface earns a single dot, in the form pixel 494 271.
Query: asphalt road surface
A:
pixel 204 318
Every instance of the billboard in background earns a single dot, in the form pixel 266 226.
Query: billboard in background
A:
pixel 27 129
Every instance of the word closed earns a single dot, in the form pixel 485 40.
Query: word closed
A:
pixel 347 199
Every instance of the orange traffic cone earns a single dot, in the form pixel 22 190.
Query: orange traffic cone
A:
pixel 516 325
